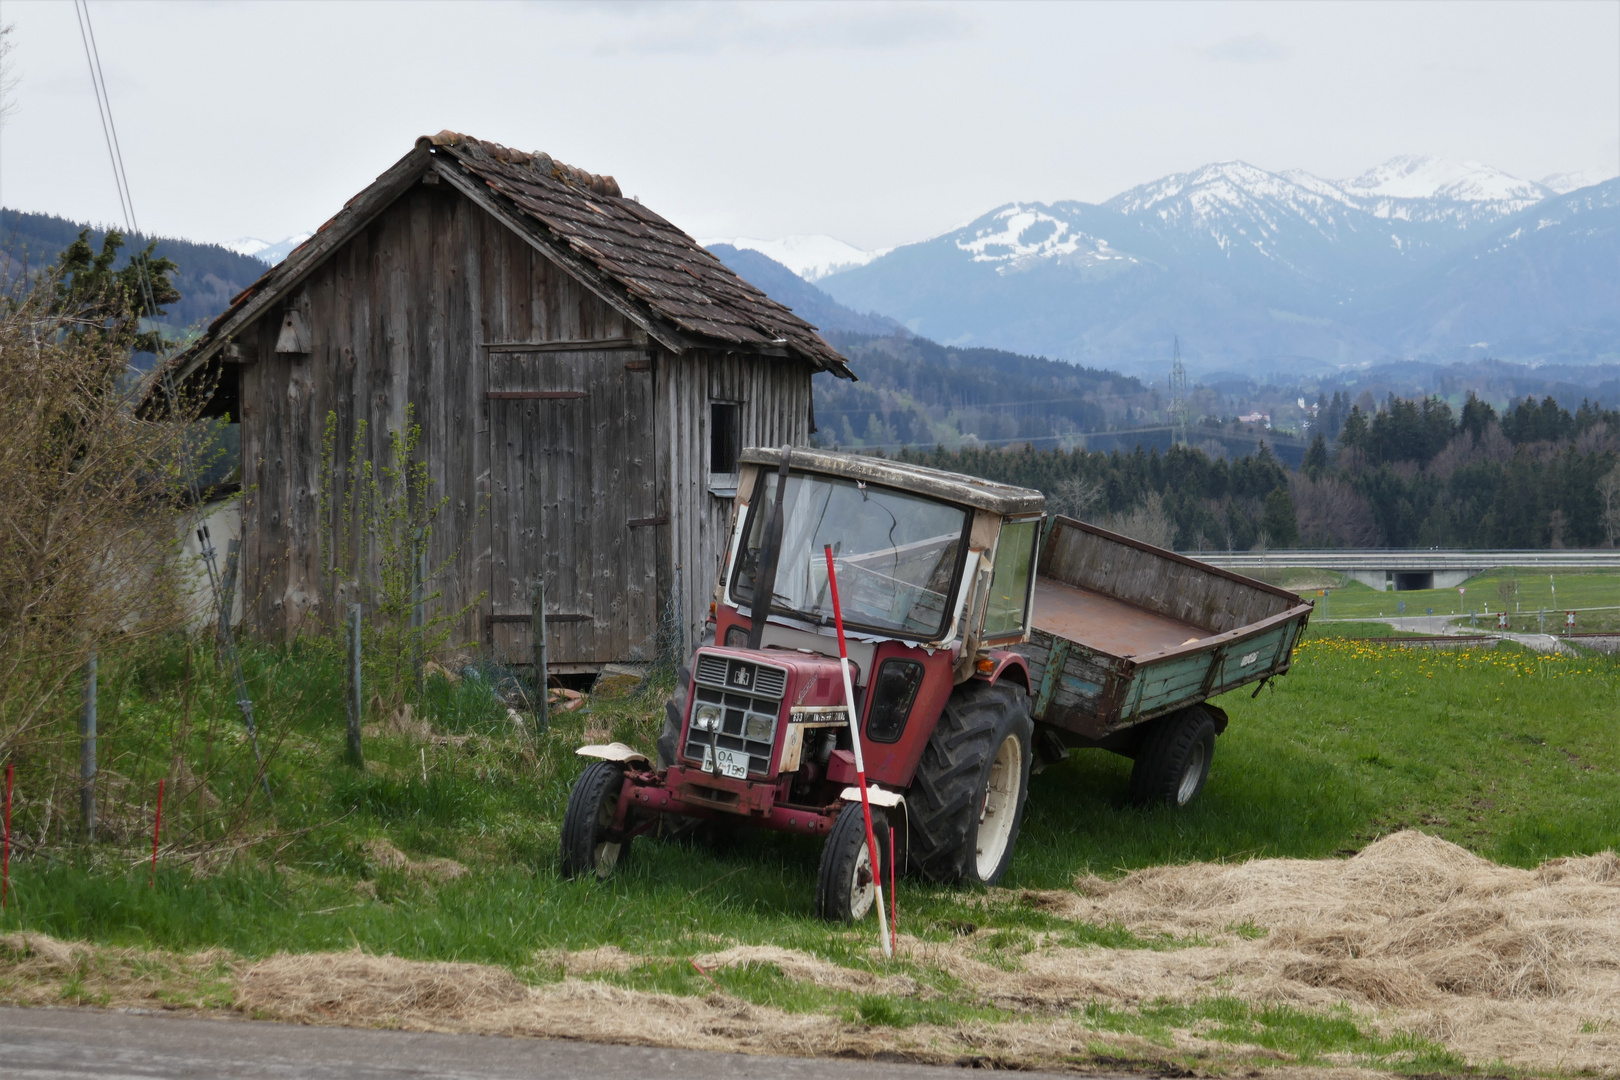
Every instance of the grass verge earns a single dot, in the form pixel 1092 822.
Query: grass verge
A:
pixel 1507 753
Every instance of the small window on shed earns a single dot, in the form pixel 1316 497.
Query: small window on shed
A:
pixel 725 443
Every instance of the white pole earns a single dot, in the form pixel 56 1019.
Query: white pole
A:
pixel 860 762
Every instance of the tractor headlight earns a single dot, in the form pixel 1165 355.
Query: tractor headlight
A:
pixel 758 728
pixel 706 718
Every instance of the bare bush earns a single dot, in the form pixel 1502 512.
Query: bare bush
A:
pixel 1147 521
pixel 88 495
pixel 1331 514
pixel 1075 497
pixel 1608 489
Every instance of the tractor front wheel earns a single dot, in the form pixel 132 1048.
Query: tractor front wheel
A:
pixel 588 846
pixel 847 886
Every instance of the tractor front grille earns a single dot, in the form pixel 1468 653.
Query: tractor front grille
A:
pixel 749 696
pixel 740 676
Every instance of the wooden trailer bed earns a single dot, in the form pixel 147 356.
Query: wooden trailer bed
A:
pixel 1123 632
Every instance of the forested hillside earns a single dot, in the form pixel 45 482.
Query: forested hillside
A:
pixel 1409 474
pixel 916 392
pixel 208 275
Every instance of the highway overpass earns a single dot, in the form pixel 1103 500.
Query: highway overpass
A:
pixel 1398 569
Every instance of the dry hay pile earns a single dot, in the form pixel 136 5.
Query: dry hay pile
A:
pixel 1494 962
pixel 355 989
pixel 389 857
pixel 1413 933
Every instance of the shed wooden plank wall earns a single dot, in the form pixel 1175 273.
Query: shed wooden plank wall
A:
pixel 775 399
pixel 403 313
pixel 397 315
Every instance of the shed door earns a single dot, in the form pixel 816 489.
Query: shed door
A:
pixel 574 497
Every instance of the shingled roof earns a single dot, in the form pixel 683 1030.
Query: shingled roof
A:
pixel 659 276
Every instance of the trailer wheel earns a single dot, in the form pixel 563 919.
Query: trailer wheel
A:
pixel 674 712
pixel 847 885
pixel 586 847
pixel 966 803
pixel 1173 761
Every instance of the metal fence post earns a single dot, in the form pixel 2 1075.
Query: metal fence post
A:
pixel 352 752
pixel 227 589
pixel 87 751
pixel 537 637
pixel 418 613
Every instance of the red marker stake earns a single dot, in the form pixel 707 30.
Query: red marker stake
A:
pixel 860 763
pixel 894 911
pixel 5 859
pixel 156 825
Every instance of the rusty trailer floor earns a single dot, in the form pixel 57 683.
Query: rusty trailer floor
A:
pixel 1105 624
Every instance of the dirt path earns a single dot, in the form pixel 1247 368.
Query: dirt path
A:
pixel 1448 625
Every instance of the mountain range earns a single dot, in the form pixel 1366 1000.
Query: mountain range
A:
pixel 1264 271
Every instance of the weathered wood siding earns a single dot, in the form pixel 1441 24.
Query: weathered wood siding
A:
pixel 1202 596
pixel 1087 691
pixel 394 318
pixel 430 306
pixel 775 399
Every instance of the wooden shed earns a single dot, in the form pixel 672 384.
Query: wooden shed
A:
pixel 583 372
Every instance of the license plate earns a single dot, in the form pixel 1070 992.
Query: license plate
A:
pixel 732 764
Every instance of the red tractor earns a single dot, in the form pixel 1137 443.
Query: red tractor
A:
pixel 935 572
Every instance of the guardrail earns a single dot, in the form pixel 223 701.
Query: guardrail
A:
pixel 1411 559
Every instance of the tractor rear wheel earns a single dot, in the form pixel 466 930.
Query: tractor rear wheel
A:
pixel 847 885
pixel 587 847
pixel 966 802
pixel 1173 761
pixel 674 715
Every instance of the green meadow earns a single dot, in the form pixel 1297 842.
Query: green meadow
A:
pixel 1508 753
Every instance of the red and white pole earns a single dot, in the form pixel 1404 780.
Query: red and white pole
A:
pixel 860 762
pixel 5 859
pixel 156 826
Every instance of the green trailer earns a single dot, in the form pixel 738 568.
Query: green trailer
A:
pixel 1129 641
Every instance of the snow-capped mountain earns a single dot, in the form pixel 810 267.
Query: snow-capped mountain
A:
pixel 1418 177
pixel 266 251
pixel 1243 263
pixel 1564 182
pixel 811 257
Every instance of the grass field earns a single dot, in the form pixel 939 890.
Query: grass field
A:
pixel 1595 596
pixel 1510 754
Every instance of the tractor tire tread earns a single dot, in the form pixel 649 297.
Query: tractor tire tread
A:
pixel 674 714
pixel 579 831
pixel 940 803
pixel 1161 761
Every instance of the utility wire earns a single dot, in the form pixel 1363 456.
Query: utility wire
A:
pixel 126 202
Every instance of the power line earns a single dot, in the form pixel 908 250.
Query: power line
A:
pixel 126 202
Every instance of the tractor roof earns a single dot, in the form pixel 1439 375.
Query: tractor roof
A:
pixel 937 483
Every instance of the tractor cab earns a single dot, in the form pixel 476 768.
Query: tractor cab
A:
pixel 935 573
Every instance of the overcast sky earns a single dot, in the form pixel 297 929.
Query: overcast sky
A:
pixel 876 123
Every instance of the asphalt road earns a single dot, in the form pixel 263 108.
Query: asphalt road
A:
pixel 58 1044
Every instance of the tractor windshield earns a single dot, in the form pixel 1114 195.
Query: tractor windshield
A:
pixel 897 555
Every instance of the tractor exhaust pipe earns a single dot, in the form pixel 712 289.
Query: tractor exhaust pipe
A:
pixel 770 553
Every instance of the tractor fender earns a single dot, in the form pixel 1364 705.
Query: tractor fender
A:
pixel 616 752
pixel 1008 665
pixel 875 795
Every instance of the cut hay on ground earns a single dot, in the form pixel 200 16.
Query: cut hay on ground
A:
pixel 1413 934
pixel 1495 962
